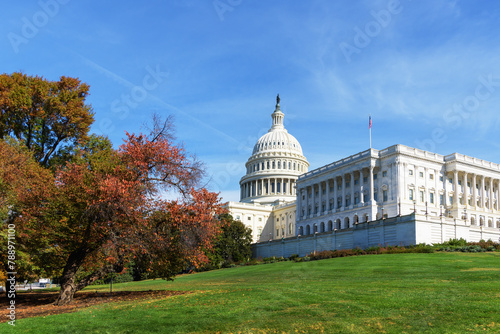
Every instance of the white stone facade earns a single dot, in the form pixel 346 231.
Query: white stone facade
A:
pixel 398 180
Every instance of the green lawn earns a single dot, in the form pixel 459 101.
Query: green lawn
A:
pixel 399 293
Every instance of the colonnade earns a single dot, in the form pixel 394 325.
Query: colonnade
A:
pixel 345 190
pixel 477 191
pixel 268 186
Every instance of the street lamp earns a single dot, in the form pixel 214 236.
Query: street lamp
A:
pixel 270 236
pixel 426 208
pixel 382 213
pixel 399 206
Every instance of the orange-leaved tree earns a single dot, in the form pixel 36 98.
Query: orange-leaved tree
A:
pixel 19 174
pixel 106 209
pixel 48 117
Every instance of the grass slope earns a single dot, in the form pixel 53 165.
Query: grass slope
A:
pixel 403 293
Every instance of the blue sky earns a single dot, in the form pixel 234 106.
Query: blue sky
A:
pixel 427 71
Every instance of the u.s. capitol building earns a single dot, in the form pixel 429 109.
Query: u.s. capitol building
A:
pixel 398 195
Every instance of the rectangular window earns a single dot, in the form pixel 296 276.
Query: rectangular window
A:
pixel 384 173
pixel 339 187
pixel 410 172
pixel 347 202
pixel 450 179
pixel 421 174
pixel 431 176
pixel 331 189
pixel 441 199
pixel 323 191
pixel 316 193
pixel 249 218
pixel 411 195
pixel 356 181
pixel 322 208
pixel 451 200
pixel 347 184
pixel 365 179
pixel 431 198
pixel 237 217
pixel 375 196
pixel 374 176
pixel 459 182
pixel 441 179
pixel 384 194
pixel 421 196
pixel 356 200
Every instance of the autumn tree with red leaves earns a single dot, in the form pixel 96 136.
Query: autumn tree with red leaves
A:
pixel 105 209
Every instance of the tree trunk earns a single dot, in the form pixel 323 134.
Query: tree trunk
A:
pixel 68 285
pixel 68 280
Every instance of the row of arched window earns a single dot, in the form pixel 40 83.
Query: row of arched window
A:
pixel 275 144
pixel 338 224
pixel 276 164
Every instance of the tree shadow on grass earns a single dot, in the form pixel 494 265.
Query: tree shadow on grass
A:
pixel 35 304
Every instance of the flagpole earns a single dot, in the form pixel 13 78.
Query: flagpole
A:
pixel 370 129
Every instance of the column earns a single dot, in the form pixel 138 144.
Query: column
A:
pixel 327 200
pixel 371 184
pixel 352 189
pixel 466 190
pixel 482 192
pixel 313 195
pixel 455 181
pixel 474 191
pixel 268 191
pixel 498 194
pixel 491 193
pixel 397 165
pixel 320 190
pixel 343 190
pixel 335 192
pixel 361 188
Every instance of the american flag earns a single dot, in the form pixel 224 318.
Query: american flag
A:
pixel 370 122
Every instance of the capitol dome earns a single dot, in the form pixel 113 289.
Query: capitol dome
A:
pixel 277 140
pixel 274 166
